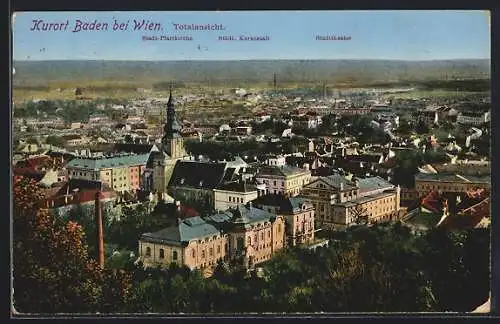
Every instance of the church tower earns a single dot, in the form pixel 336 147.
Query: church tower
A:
pixel 172 141
pixel 172 150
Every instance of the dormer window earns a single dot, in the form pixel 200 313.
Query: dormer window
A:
pixel 182 180
pixel 201 183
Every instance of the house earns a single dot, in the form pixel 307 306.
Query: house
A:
pixel 277 160
pixel 245 234
pixel 340 202
pixel 120 172
pixel 193 183
pixel 78 196
pixel 262 117
pixel 308 121
pixel 475 118
pixel 286 180
pixel 244 130
pixel 428 117
pixel 232 194
pixel 450 182
pixel 298 214
pixel 77 125
pixel 99 119
pixel 74 139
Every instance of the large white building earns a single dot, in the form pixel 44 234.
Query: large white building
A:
pixel 285 180
pixel 473 118
pixel 231 195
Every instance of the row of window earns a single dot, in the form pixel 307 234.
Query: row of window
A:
pixel 429 187
pixel 162 254
pixel 249 239
pixel 236 199
pixel 210 251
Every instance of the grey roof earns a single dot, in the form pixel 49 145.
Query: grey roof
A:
pixel 239 186
pixel 155 155
pixel 195 228
pixel 335 180
pixel 100 163
pixel 452 177
pixel 247 215
pixel 132 148
pixel 196 174
pixel 189 229
pixel 373 183
pixel 368 158
pixel 284 171
pixel 285 204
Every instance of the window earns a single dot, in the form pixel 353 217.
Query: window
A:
pixel 193 253
pixel 274 182
pixel 229 198
pixel 268 233
pixel 218 249
pixel 211 252
pixel 240 243
pixel 279 228
pixel 148 251
pixel 282 183
pixel 162 254
pixel 174 255
pixel 249 240
pixel 261 235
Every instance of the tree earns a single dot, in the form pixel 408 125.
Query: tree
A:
pixel 55 140
pixel 359 214
pixel 128 139
pixel 421 127
pixel 51 260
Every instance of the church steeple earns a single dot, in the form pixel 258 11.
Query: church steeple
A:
pixel 172 141
pixel 172 127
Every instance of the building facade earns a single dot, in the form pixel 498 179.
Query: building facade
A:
pixel 284 180
pixel 244 234
pixel 473 118
pixel 230 195
pixel 339 202
pixel 121 172
pixel 298 215
pixel 449 182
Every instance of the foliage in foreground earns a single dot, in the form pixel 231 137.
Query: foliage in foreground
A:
pixel 53 272
pixel 380 269
pixel 384 268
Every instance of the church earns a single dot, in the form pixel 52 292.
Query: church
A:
pixel 161 164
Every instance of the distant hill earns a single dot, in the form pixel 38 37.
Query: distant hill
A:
pixel 41 72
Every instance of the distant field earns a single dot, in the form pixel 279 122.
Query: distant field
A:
pixel 435 94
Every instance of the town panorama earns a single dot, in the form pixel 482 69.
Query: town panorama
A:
pixel 362 189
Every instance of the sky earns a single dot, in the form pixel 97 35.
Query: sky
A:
pixel 398 35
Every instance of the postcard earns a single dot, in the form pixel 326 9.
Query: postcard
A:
pixel 251 162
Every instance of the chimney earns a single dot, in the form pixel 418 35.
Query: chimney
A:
pixel 100 239
pixel 67 194
pixel 341 186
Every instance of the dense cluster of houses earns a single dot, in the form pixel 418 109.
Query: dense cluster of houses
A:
pixel 249 207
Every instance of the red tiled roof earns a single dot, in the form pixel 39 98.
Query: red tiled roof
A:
pixel 432 202
pixel 80 197
pixel 28 172
pixel 188 212
pixel 470 217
